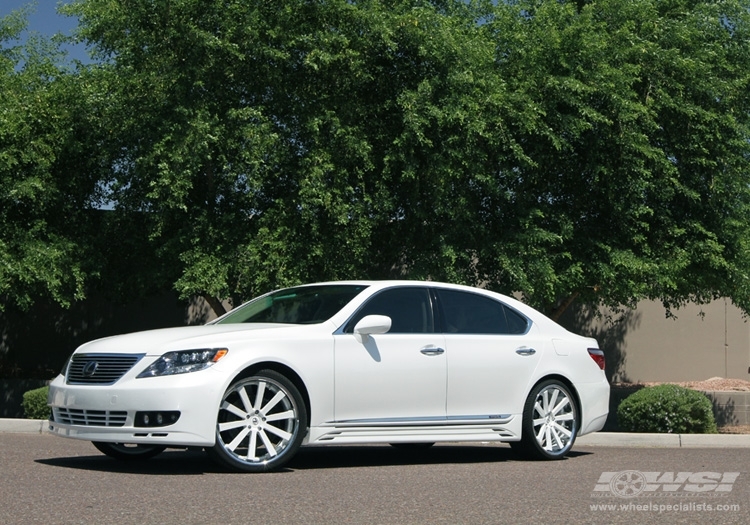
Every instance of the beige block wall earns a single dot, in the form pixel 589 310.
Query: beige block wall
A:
pixel 644 345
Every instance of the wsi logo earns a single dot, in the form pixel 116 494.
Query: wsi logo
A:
pixel 632 483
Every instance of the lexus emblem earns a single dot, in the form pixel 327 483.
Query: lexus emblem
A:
pixel 90 369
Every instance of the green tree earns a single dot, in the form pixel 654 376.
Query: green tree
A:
pixel 568 150
pixel 43 194
pixel 638 180
pixel 266 143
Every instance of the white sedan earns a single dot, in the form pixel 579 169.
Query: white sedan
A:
pixel 400 362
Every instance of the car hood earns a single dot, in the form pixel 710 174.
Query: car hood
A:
pixel 156 342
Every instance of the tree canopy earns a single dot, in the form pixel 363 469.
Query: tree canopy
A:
pixel 39 184
pixel 591 151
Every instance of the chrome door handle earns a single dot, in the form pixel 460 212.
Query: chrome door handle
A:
pixel 432 350
pixel 525 351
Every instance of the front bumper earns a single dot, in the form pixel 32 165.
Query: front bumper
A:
pixel 107 412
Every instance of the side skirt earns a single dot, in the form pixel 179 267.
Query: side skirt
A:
pixel 467 428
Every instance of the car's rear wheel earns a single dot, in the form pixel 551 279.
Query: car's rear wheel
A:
pixel 550 422
pixel 261 422
pixel 127 451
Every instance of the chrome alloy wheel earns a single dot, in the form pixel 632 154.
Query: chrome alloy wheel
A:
pixel 260 423
pixel 554 419
pixel 550 422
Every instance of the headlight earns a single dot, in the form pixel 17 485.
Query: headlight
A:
pixel 183 362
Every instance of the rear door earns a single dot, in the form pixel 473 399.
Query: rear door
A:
pixel 491 355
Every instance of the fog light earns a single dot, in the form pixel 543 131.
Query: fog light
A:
pixel 156 419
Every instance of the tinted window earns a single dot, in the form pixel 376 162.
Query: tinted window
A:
pixel 409 308
pixel 468 313
pixel 302 305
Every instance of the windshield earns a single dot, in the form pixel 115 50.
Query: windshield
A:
pixel 301 305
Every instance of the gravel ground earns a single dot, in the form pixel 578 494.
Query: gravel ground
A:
pixel 715 384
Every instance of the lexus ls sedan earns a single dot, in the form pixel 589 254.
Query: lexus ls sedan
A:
pixel 399 362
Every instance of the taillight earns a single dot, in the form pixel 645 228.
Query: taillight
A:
pixel 598 356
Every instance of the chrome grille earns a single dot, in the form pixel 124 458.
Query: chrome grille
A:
pixel 92 418
pixel 100 369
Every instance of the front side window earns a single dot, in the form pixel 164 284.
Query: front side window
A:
pixel 409 308
pixel 469 313
pixel 301 305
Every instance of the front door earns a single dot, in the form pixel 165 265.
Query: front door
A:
pixel 399 375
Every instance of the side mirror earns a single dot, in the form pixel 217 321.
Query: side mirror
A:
pixel 371 324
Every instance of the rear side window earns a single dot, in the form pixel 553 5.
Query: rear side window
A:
pixel 469 313
pixel 409 308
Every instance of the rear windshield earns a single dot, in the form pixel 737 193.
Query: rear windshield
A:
pixel 300 305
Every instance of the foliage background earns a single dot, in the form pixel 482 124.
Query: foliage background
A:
pixel 668 409
pixel 564 150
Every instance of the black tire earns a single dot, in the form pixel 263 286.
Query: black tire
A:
pixel 128 452
pixel 550 422
pixel 261 423
pixel 413 447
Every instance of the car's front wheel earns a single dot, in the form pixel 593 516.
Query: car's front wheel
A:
pixel 550 422
pixel 128 452
pixel 261 422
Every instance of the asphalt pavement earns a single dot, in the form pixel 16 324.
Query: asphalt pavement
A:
pixel 52 481
pixel 602 439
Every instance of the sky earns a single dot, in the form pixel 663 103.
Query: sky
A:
pixel 46 21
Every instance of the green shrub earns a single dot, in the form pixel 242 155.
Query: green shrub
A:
pixel 667 409
pixel 35 403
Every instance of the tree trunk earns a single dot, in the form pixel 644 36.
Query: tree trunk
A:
pixel 564 304
pixel 215 304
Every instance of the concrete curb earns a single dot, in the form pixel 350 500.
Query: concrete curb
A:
pixel 597 439
pixel 624 439
pixel 23 426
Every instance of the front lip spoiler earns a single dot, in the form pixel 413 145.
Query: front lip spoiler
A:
pixel 158 436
